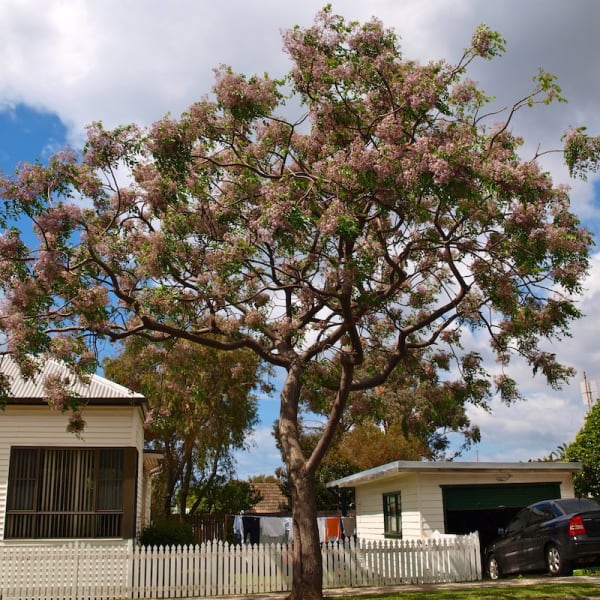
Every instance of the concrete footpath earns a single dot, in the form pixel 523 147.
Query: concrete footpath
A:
pixel 392 589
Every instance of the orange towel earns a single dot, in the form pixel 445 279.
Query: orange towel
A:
pixel 332 529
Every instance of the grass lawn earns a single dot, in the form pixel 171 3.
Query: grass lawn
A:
pixel 537 591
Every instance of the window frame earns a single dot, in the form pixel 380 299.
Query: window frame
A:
pixel 395 514
pixel 38 506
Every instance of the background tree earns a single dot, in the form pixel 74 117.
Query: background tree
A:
pixel 229 497
pixel 557 455
pixel 202 409
pixel 388 218
pixel 335 464
pixel 586 449
pixel 411 416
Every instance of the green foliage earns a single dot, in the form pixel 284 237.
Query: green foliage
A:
pixel 167 533
pixel 203 407
pixel 230 497
pixel 582 152
pixel 586 450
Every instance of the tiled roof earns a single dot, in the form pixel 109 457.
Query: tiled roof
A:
pixel 273 501
pixel 95 389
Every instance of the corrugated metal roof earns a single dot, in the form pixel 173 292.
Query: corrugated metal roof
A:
pixel 406 466
pixel 95 388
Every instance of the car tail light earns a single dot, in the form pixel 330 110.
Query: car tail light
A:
pixel 576 526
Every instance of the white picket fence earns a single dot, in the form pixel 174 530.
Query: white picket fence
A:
pixel 104 572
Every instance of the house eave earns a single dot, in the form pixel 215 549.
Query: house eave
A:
pixel 399 467
pixel 153 462
pixel 131 401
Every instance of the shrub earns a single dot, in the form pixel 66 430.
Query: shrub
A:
pixel 167 533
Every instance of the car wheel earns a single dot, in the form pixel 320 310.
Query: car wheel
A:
pixel 556 564
pixel 493 568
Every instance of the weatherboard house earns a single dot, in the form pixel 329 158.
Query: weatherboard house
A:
pixel 55 485
pixel 415 500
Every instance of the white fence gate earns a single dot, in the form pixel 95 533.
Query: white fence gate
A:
pixel 105 572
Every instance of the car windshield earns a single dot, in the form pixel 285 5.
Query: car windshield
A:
pixel 575 505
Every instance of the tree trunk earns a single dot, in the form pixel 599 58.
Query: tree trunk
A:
pixel 307 581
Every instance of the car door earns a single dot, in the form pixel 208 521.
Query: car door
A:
pixel 510 548
pixel 534 536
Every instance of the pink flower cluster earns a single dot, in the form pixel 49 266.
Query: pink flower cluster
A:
pixel 57 391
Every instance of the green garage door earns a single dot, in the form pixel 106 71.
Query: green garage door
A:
pixel 480 497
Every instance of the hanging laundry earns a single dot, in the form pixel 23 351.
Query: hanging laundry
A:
pixel 348 527
pixel 272 530
pixel 322 529
pixel 333 529
pixel 238 529
pixel 289 529
pixel 251 529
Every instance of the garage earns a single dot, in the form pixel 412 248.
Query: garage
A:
pixel 451 497
pixel 488 507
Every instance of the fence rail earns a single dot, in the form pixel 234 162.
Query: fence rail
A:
pixel 104 572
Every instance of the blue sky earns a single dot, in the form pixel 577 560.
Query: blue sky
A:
pixel 27 134
pixel 65 64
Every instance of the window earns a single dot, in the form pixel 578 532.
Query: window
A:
pixel 544 511
pixel 71 493
pixel 392 515
pixel 519 522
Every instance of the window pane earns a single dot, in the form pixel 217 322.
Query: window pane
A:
pixel 110 480
pixel 67 480
pixel 23 476
pixel 392 515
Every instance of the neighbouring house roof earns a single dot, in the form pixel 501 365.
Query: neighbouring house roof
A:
pixel 94 390
pixel 406 466
pixel 273 501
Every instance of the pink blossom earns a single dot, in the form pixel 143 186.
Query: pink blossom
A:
pixel 486 43
pixel 237 93
pixel 56 390
pixel 464 91
pixel 156 414
pixel 76 424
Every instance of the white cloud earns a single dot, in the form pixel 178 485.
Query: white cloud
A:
pixel 263 456
pixel 141 58
pixel 135 60
pixel 548 418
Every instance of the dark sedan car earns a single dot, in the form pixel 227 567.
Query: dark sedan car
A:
pixel 552 535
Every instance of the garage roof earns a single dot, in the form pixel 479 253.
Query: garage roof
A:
pixel 407 466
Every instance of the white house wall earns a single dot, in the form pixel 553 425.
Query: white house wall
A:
pixel 369 507
pixel 114 426
pixel 421 496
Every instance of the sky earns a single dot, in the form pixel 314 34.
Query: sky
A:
pixel 64 64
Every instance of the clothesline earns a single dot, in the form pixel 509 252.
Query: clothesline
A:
pixel 254 529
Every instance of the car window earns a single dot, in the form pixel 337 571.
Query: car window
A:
pixel 539 513
pixel 574 505
pixel 519 522
pixel 544 511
